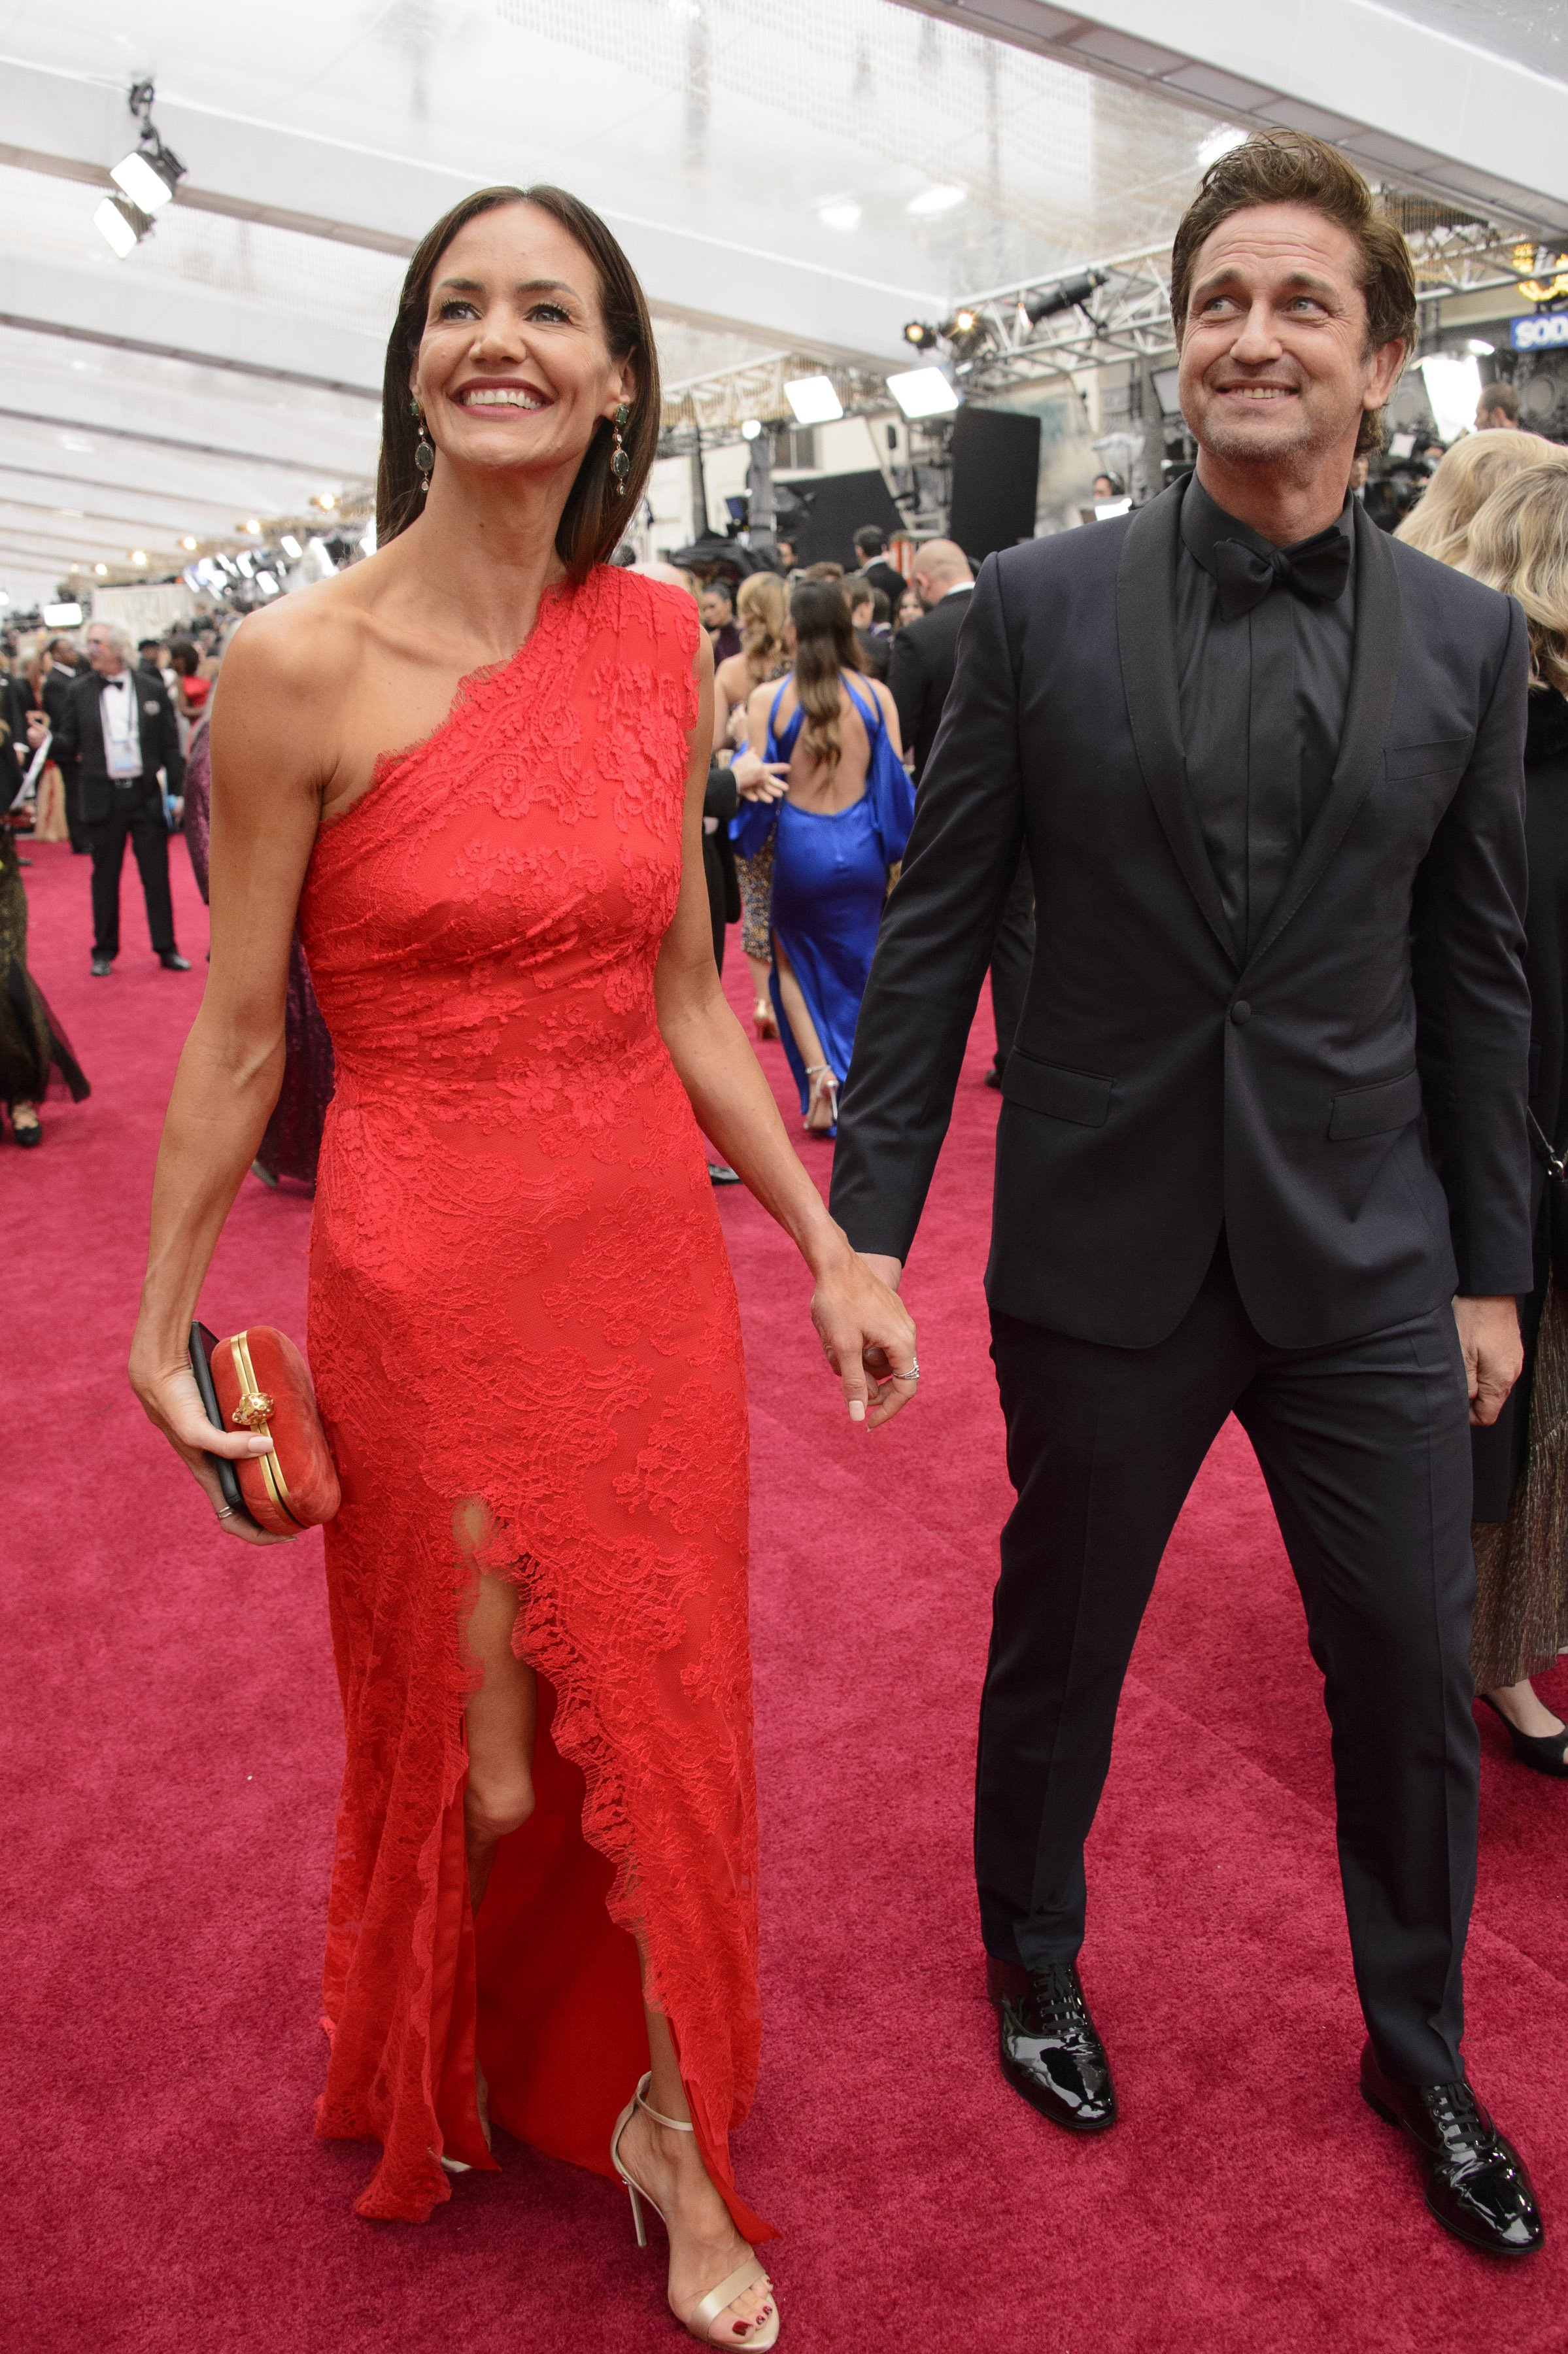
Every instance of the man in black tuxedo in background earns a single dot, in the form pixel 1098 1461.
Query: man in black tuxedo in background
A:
pixel 1263 1143
pixel 117 724
pixel 66 666
pixel 871 558
pixel 919 676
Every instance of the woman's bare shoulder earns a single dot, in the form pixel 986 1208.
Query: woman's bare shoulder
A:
pixel 305 644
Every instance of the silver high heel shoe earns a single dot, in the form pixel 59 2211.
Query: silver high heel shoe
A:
pixel 750 2275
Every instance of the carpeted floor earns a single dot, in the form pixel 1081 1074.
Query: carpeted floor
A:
pixel 171 1757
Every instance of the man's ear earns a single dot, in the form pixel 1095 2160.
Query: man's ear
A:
pixel 1387 362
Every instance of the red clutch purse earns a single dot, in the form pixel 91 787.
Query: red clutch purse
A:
pixel 262 1383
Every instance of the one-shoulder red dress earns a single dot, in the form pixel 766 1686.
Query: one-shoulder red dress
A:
pixel 526 1347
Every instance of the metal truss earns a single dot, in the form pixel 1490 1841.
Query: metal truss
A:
pixel 1059 325
pixel 720 403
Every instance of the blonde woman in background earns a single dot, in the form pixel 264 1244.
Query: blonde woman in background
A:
pixel 1519 542
pixel 759 610
pixel 1464 480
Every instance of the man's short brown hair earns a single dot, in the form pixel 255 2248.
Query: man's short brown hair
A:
pixel 1289 167
pixel 1500 396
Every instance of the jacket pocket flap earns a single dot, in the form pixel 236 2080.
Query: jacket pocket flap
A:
pixel 1422 759
pixel 1062 1093
pixel 1372 1112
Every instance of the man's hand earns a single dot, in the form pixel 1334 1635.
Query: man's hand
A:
pixel 887 1271
pixel 38 729
pixel 1494 1354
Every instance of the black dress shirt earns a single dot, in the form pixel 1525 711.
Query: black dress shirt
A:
pixel 1263 708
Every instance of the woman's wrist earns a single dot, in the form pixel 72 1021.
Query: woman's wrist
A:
pixel 824 1244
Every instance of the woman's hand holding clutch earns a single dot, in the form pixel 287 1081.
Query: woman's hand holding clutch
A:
pixel 173 1405
pixel 868 1338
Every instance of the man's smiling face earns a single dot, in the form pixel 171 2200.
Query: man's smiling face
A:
pixel 1274 357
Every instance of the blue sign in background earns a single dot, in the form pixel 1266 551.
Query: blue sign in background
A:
pixel 1540 333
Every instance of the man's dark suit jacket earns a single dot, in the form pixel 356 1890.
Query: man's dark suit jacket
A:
pixel 892 583
pixel 1349 1103
pixel 78 736
pixel 920 673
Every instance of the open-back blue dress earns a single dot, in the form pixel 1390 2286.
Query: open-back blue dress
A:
pixel 830 879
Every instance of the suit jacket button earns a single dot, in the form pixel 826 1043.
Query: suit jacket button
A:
pixel 1241 1012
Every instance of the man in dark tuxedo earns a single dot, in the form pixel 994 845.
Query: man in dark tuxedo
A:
pixel 919 675
pixel 1263 1144
pixel 66 666
pixel 871 558
pixel 116 725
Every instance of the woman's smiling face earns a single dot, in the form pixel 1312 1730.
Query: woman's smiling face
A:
pixel 512 370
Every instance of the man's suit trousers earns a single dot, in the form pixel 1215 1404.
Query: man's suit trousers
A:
pixel 1012 957
pixel 1365 1449
pixel 143 825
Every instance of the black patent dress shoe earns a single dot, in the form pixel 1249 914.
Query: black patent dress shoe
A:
pixel 1476 2183
pixel 1050 2051
pixel 174 962
pixel 103 966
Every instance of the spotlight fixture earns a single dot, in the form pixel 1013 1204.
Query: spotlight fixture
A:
pixel 252 524
pixel 750 427
pixel 137 555
pixel 1071 294
pixel 923 392
pixel 146 180
pixel 122 224
pixel 101 570
pixel 327 499
pixel 922 336
pixel 813 400
pixel 968 333
pixel 188 543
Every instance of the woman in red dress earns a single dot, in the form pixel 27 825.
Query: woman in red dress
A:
pixel 473 768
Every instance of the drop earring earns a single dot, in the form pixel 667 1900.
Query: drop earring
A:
pixel 619 463
pixel 424 448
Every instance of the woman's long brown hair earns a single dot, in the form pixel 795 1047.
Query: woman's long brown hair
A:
pixel 824 646
pixel 759 610
pixel 593 519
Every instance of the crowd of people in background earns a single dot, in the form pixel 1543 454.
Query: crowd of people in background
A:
pixel 894 630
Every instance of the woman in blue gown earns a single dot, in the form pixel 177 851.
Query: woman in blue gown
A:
pixel 822 773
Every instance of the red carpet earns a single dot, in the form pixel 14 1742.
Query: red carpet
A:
pixel 174 1754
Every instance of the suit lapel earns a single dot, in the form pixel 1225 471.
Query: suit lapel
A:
pixel 1146 639
pixel 1368 707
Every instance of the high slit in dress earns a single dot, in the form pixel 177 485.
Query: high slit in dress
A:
pixel 526 1346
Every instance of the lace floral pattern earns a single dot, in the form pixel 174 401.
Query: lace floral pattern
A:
pixel 528 1351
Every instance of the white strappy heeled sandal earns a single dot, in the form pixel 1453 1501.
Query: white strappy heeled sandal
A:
pixel 824 1090
pixel 700 2321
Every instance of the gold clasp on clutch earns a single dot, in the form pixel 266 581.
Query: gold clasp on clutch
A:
pixel 254 1409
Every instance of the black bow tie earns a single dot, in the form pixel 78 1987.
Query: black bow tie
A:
pixel 1318 570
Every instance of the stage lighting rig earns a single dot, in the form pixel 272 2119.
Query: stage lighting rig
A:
pixel 145 179
pixel 1071 294
pixel 921 334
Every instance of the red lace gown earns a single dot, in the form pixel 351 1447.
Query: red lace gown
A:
pixel 525 1342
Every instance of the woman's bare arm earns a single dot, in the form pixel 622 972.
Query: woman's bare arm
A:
pixel 889 711
pixel 856 1317
pixel 268 730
